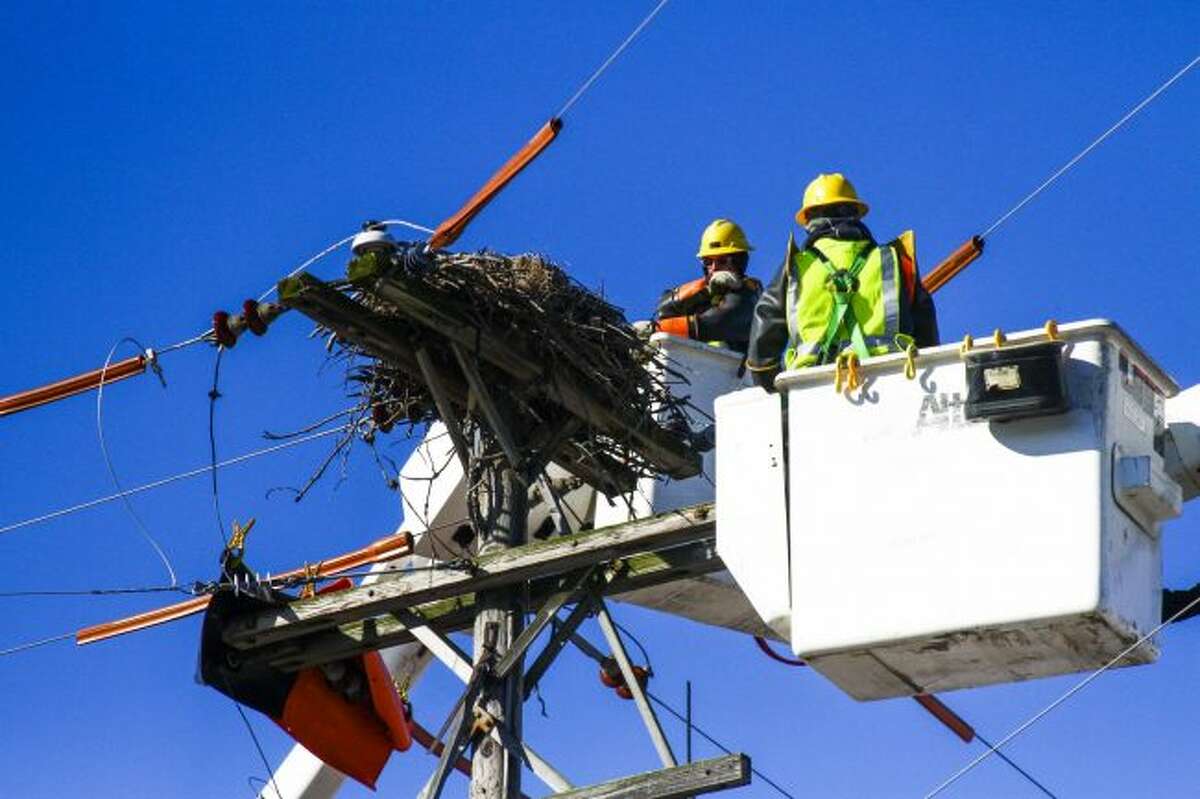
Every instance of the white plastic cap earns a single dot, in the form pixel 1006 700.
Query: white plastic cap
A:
pixel 373 239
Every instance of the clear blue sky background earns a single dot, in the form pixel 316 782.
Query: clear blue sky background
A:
pixel 160 162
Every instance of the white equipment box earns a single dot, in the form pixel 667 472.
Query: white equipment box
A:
pixel 700 372
pixel 928 552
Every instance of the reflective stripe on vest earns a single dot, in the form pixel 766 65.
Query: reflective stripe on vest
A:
pixel 875 304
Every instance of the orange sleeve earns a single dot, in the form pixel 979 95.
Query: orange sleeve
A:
pixel 691 288
pixel 676 326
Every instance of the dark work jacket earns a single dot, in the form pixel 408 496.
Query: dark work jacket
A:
pixel 723 319
pixel 769 329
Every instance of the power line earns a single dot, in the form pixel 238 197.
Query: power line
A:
pixel 165 481
pixel 962 772
pixel 156 589
pixel 714 742
pixel 595 75
pixel 1062 170
pixel 34 644
pixel 1019 770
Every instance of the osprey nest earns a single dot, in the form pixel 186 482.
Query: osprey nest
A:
pixel 577 385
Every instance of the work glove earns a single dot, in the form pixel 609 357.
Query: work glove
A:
pixel 644 329
pixel 723 282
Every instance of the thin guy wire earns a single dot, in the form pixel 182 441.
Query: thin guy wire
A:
pixel 714 741
pixel 1046 184
pixel 258 746
pixel 112 472
pixel 595 75
pixel 1044 711
pixel 1019 770
pixel 165 481
pixel 33 644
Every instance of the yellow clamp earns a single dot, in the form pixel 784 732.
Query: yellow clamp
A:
pixel 309 590
pixel 908 346
pixel 238 539
pixel 1051 330
pixel 483 722
pixel 968 343
pixel 998 338
pixel 853 376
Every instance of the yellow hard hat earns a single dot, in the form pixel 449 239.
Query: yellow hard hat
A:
pixel 828 190
pixel 722 237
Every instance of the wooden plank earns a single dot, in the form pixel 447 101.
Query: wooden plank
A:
pixel 693 779
pixel 452 615
pixel 519 564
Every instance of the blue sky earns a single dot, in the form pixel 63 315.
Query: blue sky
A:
pixel 163 161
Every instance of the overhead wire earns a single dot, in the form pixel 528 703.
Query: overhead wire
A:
pixel 112 472
pixel 155 589
pixel 165 481
pixel 1018 769
pixel 34 644
pixel 587 84
pixel 1082 153
pixel 1021 728
pixel 692 725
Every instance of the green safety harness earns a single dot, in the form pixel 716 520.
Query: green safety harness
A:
pixel 843 284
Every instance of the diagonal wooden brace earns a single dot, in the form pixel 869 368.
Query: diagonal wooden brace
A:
pixel 573 588
pixel 445 409
pixel 563 632
pixel 491 412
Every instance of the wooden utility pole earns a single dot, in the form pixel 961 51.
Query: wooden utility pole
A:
pixel 495 771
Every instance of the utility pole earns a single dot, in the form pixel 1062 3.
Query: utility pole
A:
pixel 495 771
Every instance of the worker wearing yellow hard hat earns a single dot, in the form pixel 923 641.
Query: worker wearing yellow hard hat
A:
pixel 716 307
pixel 839 292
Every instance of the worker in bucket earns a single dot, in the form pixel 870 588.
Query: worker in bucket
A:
pixel 839 295
pixel 718 306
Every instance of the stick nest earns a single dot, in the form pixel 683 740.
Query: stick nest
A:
pixel 531 305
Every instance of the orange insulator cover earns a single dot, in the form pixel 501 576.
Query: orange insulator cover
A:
pixel 78 384
pixel 449 231
pixel 957 261
pixel 946 716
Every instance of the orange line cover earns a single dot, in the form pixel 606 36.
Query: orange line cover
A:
pixel 449 231
pixel 393 546
pixel 78 384
pixel 957 261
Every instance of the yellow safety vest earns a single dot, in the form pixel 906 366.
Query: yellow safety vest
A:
pixel 855 279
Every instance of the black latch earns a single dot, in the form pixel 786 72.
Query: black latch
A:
pixel 1016 382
